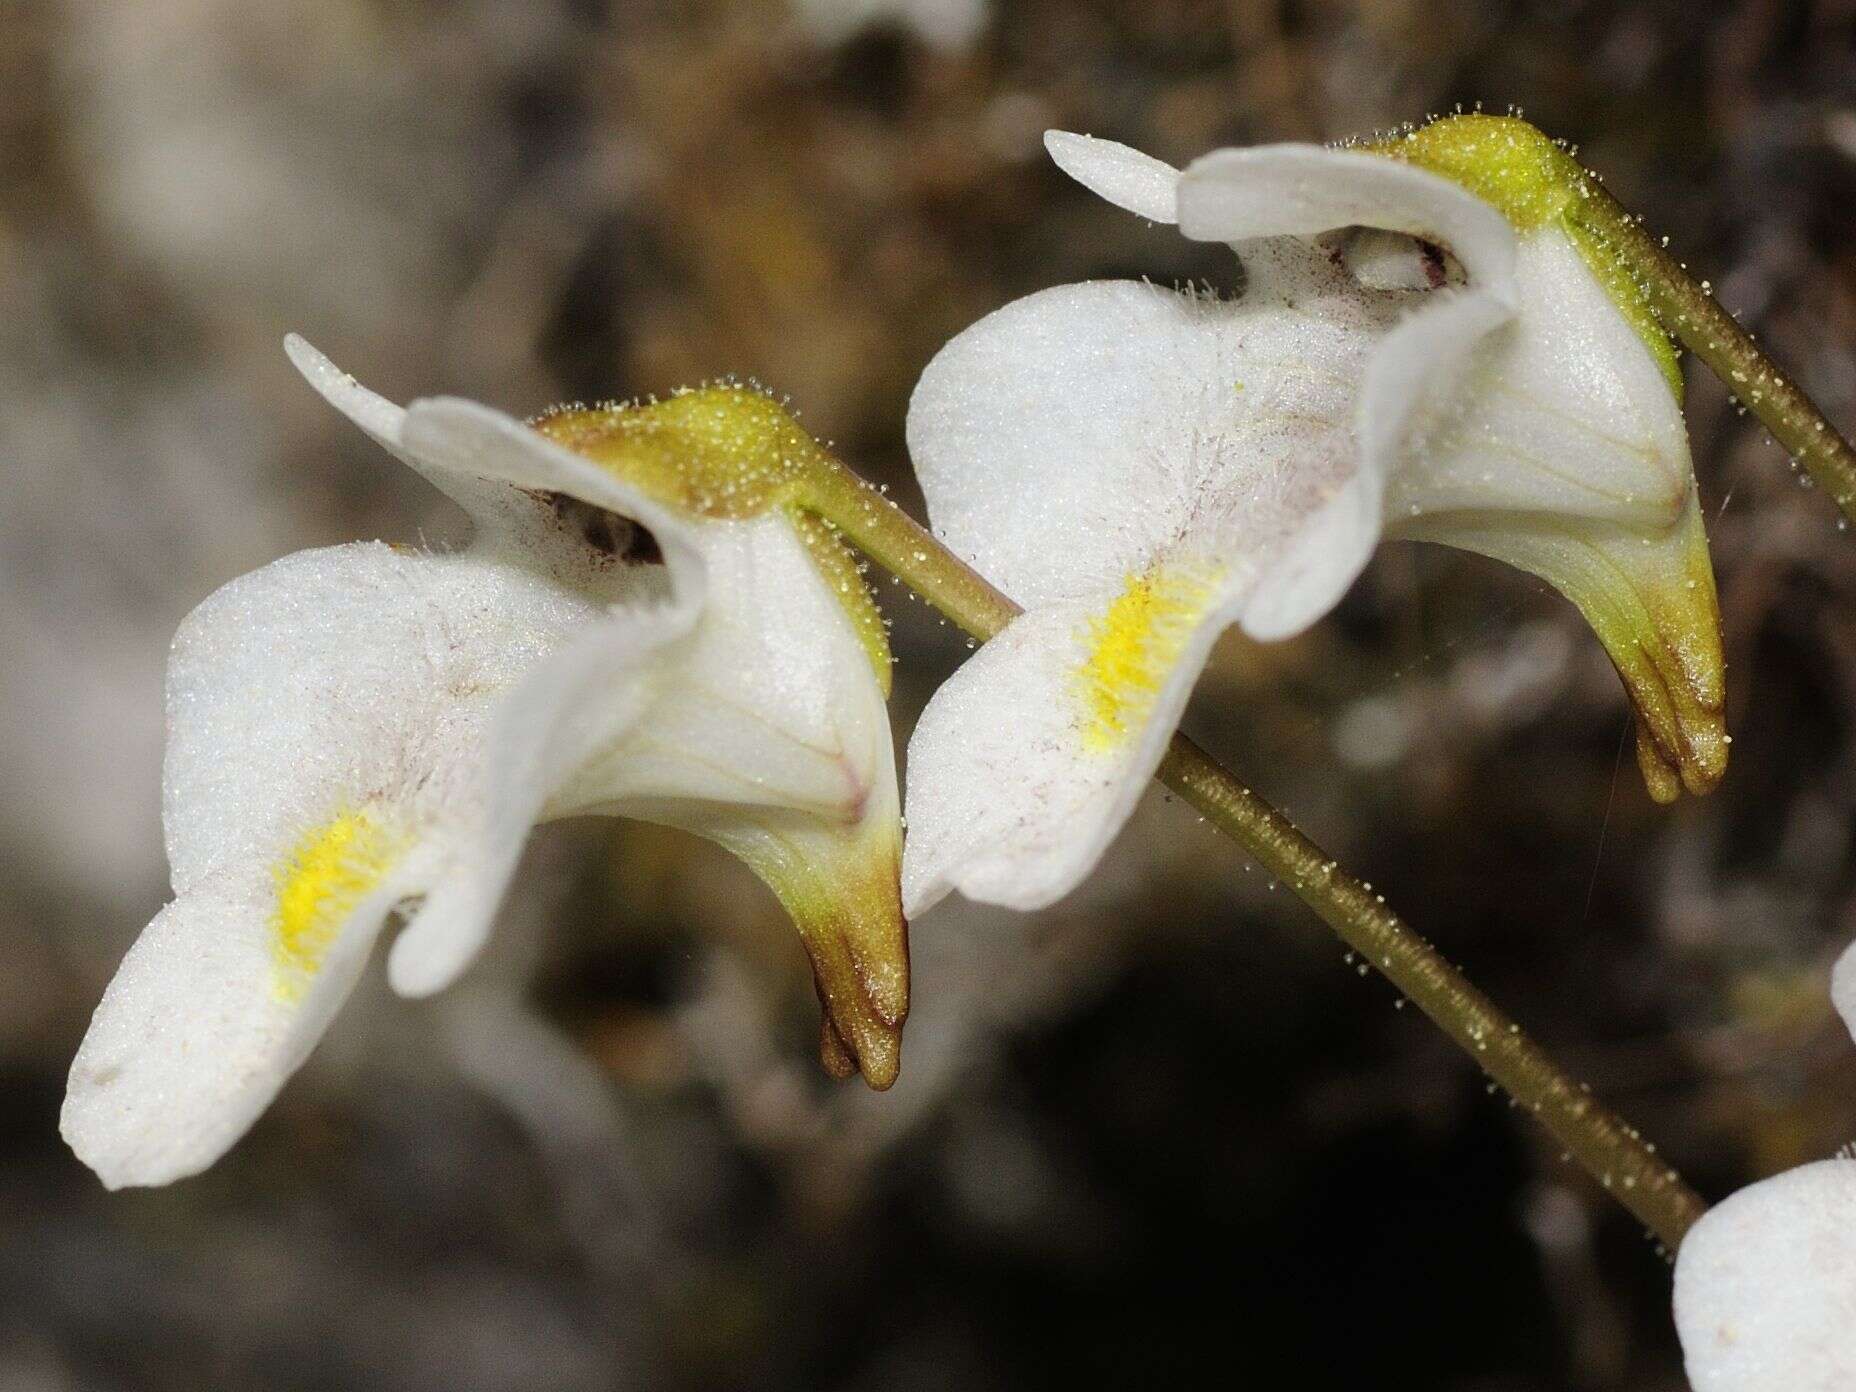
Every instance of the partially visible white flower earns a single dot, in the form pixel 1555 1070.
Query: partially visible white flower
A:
pixel 369 728
pixel 1765 1295
pixel 1843 988
pixel 1142 468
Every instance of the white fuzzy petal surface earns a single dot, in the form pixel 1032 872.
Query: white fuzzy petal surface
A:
pixel 1561 409
pixel 1303 190
pixel 1007 800
pixel 191 1042
pixel 341 687
pixel 573 708
pixel 1843 988
pixel 384 422
pixel 771 702
pixel 1765 1293
pixel 351 676
pixel 494 466
pixel 1078 433
pixel 356 727
pixel 1122 175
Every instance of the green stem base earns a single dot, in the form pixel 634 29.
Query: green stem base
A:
pixel 1694 316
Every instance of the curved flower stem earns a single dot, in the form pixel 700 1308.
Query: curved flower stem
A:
pixel 1610 1151
pixel 906 549
pixel 1710 332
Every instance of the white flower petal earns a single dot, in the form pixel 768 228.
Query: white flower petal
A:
pixel 1843 988
pixel 1322 559
pixel 356 675
pixel 379 418
pixel 195 1036
pixel 326 717
pixel 468 438
pixel 1068 439
pixel 477 455
pixel 762 703
pixel 1026 433
pixel 1123 175
pixel 1765 1292
pixel 772 703
pixel 1422 359
pixel 1421 362
pixel 1560 410
pixel 1304 190
pixel 487 501
pixel 575 705
pixel 1031 757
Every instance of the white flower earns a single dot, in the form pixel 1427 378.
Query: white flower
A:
pixel 1765 1295
pixel 369 728
pixel 1141 468
pixel 1843 988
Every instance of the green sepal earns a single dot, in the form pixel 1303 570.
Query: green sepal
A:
pixel 1535 183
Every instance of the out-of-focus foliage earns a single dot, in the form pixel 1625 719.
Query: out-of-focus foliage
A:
pixel 1158 1129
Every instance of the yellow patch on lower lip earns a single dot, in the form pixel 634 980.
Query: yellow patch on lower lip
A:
pixel 320 883
pixel 1134 644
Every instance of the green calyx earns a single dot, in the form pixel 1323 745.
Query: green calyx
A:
pixel 1503 160
pixel 1535 183
pixel 722 452
pixel 840 886
pixel 727 453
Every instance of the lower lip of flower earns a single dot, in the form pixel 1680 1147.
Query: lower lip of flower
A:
pixel 1134 643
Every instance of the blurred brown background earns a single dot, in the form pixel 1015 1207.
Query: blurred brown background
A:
pixel 1160 1132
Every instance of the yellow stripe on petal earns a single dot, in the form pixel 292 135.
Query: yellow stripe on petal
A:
pixel 1134 644
pixel 320 883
